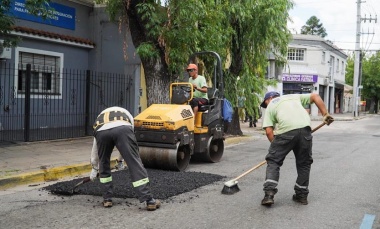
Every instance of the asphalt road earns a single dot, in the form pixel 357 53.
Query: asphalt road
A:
pixel 344 192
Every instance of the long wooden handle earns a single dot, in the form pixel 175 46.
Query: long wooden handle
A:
pixel 257 166
pixel 316 128
pixel 264 162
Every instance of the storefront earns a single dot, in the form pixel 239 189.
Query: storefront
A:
pixel 299 84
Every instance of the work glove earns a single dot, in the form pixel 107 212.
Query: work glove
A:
pixel 94 174
pixel 328 119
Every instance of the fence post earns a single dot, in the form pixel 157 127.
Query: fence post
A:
pixel 87 111
pixel 28 77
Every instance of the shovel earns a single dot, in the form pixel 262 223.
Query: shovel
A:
pixel 85 180
pixel 72 191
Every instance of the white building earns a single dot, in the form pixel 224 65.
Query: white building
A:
pixel 315 65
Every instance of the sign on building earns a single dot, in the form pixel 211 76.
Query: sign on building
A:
pixel 62 16
pixel 299 78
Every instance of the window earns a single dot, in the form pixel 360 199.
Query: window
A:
pixel 331 73
pixel 323 57
pixel 342 67
pixel 46 70
pixel 337 65
pixel 296 54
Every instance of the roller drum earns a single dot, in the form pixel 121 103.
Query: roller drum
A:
pixel 176 159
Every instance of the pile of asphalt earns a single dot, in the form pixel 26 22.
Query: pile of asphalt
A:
pixel 164 184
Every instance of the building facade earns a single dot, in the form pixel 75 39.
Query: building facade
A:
pixel 79 63
pixel 315 66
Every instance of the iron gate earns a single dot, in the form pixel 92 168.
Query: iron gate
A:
pixel 39 104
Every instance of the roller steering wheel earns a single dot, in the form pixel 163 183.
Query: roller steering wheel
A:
pixel 186 88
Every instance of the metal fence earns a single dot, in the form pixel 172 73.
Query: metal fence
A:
pixel 37 103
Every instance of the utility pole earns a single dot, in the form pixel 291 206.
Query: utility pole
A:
pixel 357 59
pixel 356 86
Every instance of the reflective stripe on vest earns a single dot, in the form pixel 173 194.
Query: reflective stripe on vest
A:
pixel 140 182
pixel 111 116
pixel 105 180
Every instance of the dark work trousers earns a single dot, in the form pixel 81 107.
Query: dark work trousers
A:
pixel 198 102
pixel 300 141
pixel 125 141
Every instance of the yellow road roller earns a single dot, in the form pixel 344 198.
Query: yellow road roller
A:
pixel 169 135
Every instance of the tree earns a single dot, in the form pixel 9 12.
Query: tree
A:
pixel 349 77
pixel 245 31
pixel 371 80
pixel 35 7
pixel 313 27
pixel 258 28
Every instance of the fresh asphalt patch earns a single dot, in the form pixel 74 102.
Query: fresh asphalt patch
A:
pixel 164 184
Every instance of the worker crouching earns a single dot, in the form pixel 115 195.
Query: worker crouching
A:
pixel 114 127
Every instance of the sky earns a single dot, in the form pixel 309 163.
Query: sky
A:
pixel 339 19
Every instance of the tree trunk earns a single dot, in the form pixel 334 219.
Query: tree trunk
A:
pixel 371 109
pixel 156 72
pixel 233 127
pixel 235 68
pixel 376 106
pixel 157 83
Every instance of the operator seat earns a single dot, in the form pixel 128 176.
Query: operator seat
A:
pixel 212 94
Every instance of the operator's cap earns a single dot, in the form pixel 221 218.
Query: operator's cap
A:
pixel 269 95
pixel 192 66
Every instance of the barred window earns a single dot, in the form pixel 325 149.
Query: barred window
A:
pixel 323 57
pixel 296 54
pixel 45 72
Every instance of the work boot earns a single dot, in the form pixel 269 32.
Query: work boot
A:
pixel 268 199
pixel 152 204
pixel 107 203
pixel 300 199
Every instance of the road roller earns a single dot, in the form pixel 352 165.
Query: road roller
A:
pixel 169 136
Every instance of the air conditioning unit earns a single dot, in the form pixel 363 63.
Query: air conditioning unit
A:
pixel 326 81
pixel 5 52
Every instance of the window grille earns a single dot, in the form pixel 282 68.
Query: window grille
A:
pixel 45 73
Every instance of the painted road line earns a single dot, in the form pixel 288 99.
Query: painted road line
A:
pixel 367 221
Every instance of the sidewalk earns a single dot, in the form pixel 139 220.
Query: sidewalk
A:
pixel 34 162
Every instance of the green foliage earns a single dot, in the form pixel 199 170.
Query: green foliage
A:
pixel 193 27
pixel 6 22
pixel 114 8
pixel 371 76
pixel 35 7
pixel 242 31
pixel 153 17
pixel 147 51
pixel 259 27
pixel 350 71
pixel 39 8
pixel 313 27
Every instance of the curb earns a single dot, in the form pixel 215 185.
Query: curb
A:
pixel 46 175
pixel 56 173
